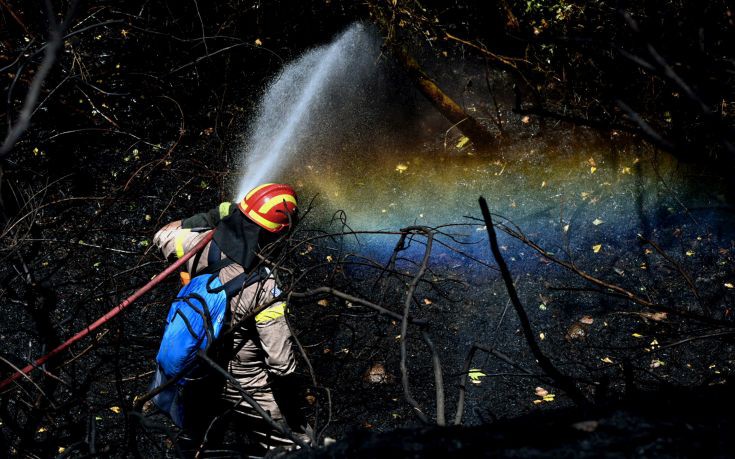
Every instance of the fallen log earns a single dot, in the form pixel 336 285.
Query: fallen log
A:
pixel 478 134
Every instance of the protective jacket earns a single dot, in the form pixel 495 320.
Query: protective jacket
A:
pixel 262 346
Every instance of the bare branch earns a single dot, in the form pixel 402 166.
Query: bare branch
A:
pixel 438 380
pixel 406 309
pixel 14 132
pixel 564 382
pixel 608 287
pixel 356 300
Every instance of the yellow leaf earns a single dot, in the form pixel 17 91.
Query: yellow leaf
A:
pixel 596 248
pixel 536 402
pixel 690 253
pixel 597 222
pixel 463 141
pixel 625 170
pixel 329 258
pixel 729 285
pixel 542 335
pixel 607 360
pixel 115 409
pixel 61 449
pixel 401 168
pixel 475 375
pixel 258 42
pixel 592 169
pixel 42 429
pixel 637 335
pixel 549 397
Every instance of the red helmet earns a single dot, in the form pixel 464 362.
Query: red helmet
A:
pixel 269 206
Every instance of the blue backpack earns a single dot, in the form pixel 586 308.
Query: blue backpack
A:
pixel 194 322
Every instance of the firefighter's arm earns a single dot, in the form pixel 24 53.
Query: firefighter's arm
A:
pixel 275 339
pixel 175 241
pixel 166 238
pixel 209 219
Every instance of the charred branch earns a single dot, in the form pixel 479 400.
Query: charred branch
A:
pixel 451 110
pixel 563 381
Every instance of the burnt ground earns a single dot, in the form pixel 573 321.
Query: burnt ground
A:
pixel 83 197
pixel 646 425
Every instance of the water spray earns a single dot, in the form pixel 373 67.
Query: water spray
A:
pixel 291 112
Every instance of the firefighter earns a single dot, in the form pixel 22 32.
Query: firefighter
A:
pixel 261 347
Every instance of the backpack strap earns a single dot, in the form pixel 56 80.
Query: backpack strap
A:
pixel 234 286
pixel 204 312
pixel 215 253
pixel 237 283
pixel 215 262
pixel 195 262
pixel 198 256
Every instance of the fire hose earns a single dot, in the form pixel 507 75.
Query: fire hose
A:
pixel 112 313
